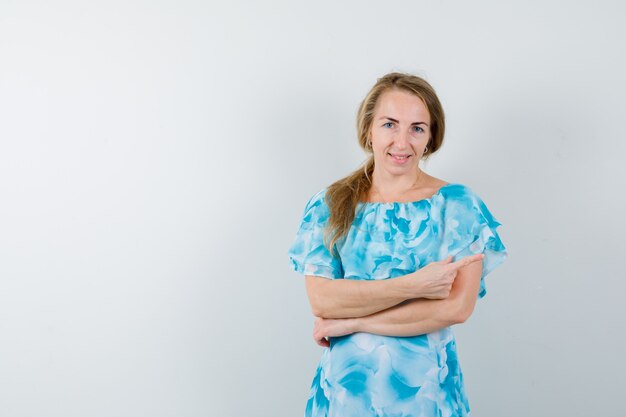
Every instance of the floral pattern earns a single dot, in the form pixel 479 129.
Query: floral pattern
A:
pixel 365 374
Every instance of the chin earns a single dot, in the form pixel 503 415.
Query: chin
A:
pixel 402 169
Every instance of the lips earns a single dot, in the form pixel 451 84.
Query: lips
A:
pixel 399 156
pixel 399 160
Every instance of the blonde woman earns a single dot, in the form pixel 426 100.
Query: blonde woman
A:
pixel 392 258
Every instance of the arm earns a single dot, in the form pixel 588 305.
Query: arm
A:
pixel 347 298
pixel 420 316
pixel 411 317
pixel 344 298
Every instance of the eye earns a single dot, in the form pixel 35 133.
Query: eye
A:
pixel 388 123
pixel 418 129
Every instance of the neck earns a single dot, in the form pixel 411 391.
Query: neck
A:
pixel 396 185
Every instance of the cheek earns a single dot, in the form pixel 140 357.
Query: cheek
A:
pixel 381 140
pixel 379 150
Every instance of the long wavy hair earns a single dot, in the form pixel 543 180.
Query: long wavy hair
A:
pixel 343 196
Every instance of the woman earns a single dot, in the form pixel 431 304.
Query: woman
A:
pixel 404 266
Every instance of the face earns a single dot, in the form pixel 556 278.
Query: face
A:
pixel 400 132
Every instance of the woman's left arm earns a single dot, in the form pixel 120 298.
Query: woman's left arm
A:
pixel 411 317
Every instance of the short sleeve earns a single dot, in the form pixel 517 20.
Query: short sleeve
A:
pixel 469 229
pixel 307 254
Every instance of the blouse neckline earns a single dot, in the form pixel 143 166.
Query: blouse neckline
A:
pixel 405 203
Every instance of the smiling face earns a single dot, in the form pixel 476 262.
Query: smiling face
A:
pixel 399 133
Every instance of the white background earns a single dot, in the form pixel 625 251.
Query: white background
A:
pixel 156 156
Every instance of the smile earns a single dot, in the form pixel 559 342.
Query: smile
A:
pixel 399 159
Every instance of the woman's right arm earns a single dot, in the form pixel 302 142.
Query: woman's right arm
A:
pixel 349 298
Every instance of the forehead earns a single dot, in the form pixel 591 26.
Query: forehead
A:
pixel 402 105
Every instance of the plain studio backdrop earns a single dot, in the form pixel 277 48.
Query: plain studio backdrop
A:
pixel 156 157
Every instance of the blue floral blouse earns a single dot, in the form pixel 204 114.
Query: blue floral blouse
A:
pixel 365 374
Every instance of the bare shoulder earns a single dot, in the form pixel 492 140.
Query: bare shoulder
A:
pixel 429 187
pixel 434 183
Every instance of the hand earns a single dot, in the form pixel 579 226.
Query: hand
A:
pixel 436 278
pixel 325 328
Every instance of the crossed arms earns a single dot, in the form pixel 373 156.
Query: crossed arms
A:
pixel 392 307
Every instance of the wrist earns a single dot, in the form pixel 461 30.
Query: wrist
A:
pixel 410 285
pixel 355 324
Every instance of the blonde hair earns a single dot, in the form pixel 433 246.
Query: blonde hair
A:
pixel 343 195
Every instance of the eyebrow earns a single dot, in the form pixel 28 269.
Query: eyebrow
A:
pixel 394 120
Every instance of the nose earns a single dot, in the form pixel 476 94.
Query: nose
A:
pixel 402 140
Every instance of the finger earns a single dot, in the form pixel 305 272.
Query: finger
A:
pixel 322 342
pixel 467 260
pixel 446 260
